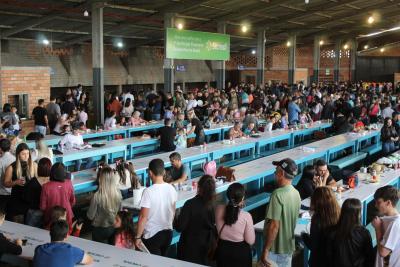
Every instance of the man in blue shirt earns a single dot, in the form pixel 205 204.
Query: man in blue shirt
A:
pixel 293 111
pixel 179 172
pixel 57 253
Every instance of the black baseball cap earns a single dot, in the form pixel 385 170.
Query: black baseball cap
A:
pixel 288 165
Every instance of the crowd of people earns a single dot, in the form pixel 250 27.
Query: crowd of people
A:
pixel 36 192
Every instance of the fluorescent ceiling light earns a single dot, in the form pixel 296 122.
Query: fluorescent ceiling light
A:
pixel 380 32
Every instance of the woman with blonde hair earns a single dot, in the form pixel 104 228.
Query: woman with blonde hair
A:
pixel 325 214
pixel 21 171
pixel 104 206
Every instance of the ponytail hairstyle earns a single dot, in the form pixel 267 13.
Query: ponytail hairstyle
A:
pixel 206 189
pixel 120 167
pixel 235 194
pixel 133 176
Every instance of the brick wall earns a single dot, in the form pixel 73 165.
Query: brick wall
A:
pixel 34 81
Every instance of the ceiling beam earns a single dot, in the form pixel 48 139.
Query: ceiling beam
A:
pixel 27 24
pixel 308 11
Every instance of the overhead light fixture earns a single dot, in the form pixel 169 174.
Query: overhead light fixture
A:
pixel 380 32
pixel 306 1
pixel 179 26
pixel 253 51
pixel 382 50
pixel 346 46
pixel 86 13
pixel 370 20
pixel 288 43
pixel 244 28
pixel 321 42
pixel 366 47
pixel 120 44
pixel 45 42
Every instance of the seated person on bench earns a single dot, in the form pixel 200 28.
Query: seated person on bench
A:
pixel 322 174
pixel 73 140
pixel 179 171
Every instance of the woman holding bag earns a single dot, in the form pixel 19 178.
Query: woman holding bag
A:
pixel 235 230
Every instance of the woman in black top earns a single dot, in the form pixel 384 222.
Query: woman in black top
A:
pixel 16 176
pixel 349 244
pixel 196 222
pixel 33 189
pixel 7 246
pixel 389 136
pixel 197 129
pixel 326 212
pixel 306 184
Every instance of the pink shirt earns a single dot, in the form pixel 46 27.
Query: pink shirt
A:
pixel 57 194
pixel 242 230
pixel 122 242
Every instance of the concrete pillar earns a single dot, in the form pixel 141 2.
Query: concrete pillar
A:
pixel 98 61
pixel 169 73
pixel 336 68
pixel 260 57
pixel 220 69
pixel 353 60
pixel 292 59
pixel 316 58
pixel 119 89
pixel 154 86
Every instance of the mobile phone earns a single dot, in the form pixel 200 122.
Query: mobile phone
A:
pixel 24 241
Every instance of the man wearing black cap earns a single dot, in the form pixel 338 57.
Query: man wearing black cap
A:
pixel 281 217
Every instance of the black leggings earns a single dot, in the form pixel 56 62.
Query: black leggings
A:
pixel 159 243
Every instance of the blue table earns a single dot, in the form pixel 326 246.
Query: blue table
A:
pixel 125 131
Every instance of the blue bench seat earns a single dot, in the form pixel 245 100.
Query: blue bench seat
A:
pixel 349 160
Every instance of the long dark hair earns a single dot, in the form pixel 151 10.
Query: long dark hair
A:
pixel 235 194
pixel 350 217
pixel 127 228
pixel 206 189
pixel 308 173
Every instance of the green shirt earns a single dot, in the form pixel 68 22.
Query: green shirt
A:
pixel 284 207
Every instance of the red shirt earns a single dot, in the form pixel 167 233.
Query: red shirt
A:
pixel 57 194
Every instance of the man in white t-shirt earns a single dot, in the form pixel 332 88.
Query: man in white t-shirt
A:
pixel 157 212
pixel 75 140
pixel 6 159
pixel 387 228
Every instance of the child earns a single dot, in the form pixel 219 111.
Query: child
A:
pixel 125 231
pixel 181 139
pixel 305 117
pixel 60 213
pixel 128 178
pixel 284 120
pixel 387 228
pixel 17 126
pixel 251 129
pixel 270 123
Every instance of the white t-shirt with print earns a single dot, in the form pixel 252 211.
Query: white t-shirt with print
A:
pixel 160 199
pixel 391 240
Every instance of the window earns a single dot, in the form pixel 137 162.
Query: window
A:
pixel 22 104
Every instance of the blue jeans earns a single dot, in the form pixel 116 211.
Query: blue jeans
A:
pixel 281 260
pixel 40 129
pixel 88 165
pixel 388 147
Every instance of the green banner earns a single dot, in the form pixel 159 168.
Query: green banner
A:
pixel 184 44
